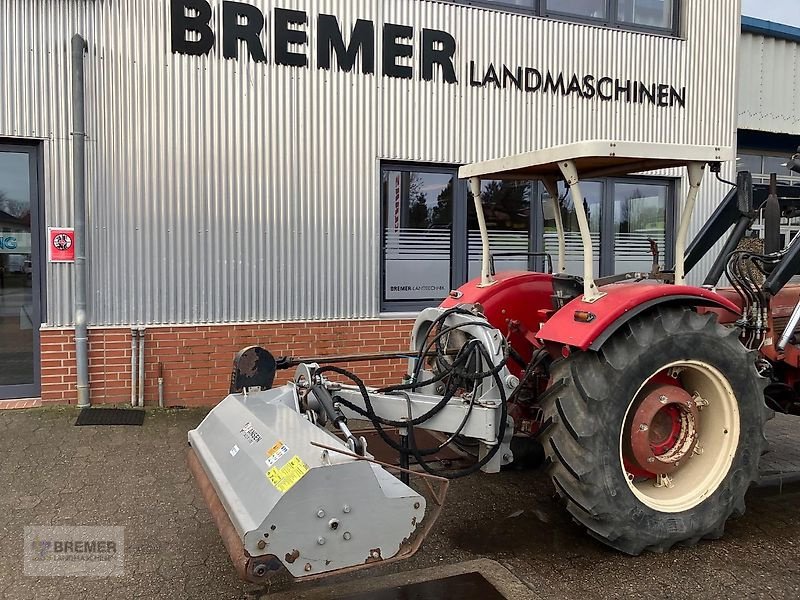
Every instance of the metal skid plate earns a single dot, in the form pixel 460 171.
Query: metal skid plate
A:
pixel 315 511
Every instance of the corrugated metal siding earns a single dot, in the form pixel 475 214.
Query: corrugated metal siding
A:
pixel 769 72
pixel 230 191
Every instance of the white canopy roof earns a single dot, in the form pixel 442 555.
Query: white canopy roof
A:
pixel 601 158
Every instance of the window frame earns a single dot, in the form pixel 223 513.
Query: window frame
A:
pixel 538 8
pixel 607 258
pixel 35 154
pixel 763 175
pixel 459 235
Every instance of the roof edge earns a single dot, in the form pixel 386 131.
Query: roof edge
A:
pixel 770 29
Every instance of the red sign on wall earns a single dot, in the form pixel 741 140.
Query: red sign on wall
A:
pixel 60 245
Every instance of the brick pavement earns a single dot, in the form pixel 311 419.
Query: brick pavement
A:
pixel 54 473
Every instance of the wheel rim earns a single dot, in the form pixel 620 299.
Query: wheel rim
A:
pixel 679 436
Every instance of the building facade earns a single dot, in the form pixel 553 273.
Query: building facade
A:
pixel 283 172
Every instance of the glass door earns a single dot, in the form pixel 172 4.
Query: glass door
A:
pixel 20 308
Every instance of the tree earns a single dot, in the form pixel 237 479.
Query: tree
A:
pixel 442 213
pixel 418 213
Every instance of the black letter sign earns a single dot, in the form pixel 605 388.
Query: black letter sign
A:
pixel 285 36
pixel 392 50
pixel 198 24
pixel 433 55
pixel 330 38
pixel 232 31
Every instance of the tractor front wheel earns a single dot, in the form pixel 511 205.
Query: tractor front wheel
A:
pixel 654 439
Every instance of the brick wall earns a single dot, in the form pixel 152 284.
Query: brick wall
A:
pixel 197 359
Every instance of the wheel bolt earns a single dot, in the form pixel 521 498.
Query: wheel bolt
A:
pixel 321 541
pixel 643 427
pixel 347 536
pixel 321 513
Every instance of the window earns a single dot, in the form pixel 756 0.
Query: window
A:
pixel 529 4
pixel 20 266
pixel 593 9
pixel 431 242
pixel 655 16
pixel 593 205
pixel 507 209
pixel 762 165
pixel 417 230
pixel 640 216
pixel 624 215
pixel 648 13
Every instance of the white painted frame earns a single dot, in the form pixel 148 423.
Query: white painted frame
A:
pixel 600 159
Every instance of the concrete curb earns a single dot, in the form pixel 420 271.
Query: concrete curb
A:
pixel 496 574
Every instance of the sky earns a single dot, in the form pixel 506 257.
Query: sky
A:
pixel 778 11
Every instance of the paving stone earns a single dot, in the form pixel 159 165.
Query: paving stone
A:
pixel 136 477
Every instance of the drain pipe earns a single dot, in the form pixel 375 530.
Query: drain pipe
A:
pixel 141 367
pixel 160 385
pixel 79 48
pixel 134 351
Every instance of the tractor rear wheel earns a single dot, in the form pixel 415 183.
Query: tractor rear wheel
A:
pixel 654 439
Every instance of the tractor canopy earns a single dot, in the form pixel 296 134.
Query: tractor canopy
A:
pixel 600 158
pixel 592 159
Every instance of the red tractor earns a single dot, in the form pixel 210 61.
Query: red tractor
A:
pixel 648 396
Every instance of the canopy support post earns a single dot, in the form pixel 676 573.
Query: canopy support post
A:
pixel 486 272
pixel 696 171
pixel 570 172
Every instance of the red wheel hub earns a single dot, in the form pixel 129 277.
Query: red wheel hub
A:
pixel 662 431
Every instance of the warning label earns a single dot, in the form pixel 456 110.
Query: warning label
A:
pixel 285 477
pixel 275 453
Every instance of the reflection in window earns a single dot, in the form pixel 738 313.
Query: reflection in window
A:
pixel 595 9
pixel 523 3
pixel 749 162
pixel 777 164
pixel 649 13
pixel 507 208
pixel 418 215
pixel 17 314
pixel 593 205
pixel 762 166
pixel 640 215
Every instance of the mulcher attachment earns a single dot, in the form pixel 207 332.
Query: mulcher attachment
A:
pixel 281 501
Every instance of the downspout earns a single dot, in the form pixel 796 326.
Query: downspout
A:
pixel 141 367
pixel 134 351
pixel 79 48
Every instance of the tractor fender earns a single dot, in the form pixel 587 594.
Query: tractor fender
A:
pixel 587 325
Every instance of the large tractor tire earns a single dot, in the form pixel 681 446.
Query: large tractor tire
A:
pixel 654 439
